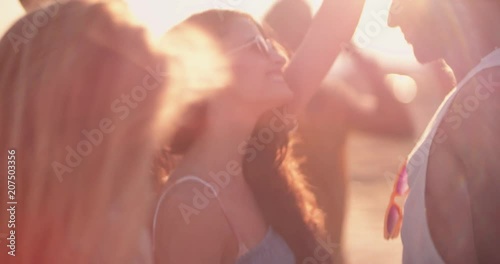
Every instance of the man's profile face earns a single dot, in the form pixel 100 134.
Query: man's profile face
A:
pixel 423 23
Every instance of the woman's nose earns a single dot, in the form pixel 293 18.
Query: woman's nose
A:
pixel 277 57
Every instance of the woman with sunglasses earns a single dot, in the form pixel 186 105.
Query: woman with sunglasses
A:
pixel 234 196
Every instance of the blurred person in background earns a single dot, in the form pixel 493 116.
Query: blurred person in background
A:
pixel 452 212
pixel 82 155
pixel 334 111
pixel 234 196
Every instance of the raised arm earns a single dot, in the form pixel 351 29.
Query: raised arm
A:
pixel 333 25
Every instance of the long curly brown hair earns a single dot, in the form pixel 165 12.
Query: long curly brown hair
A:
pixel 280 191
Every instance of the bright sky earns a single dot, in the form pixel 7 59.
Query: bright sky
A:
pixel 372 32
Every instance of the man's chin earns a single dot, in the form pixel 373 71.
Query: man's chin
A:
pixel 425 54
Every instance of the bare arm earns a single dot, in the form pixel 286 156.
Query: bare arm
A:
pixel 483 184
pixel 480 152
pixel 333 25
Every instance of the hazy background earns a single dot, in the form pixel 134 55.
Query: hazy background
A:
pixel 371 160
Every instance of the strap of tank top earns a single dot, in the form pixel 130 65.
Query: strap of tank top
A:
pixel 216 194
pixel 488 61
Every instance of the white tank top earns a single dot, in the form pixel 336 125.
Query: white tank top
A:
pixel 417 242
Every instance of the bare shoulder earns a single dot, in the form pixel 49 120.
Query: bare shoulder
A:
pixel 191 203
pixel 190 219
pixel 473 119
pixel 470 130
pixel 482 92
pixel 476 144
pixel 465 169
pixel 467 141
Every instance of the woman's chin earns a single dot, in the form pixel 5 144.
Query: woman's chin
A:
pixel 282 96
pixel 280 87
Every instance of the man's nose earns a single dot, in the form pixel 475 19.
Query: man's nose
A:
pixel 394 13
